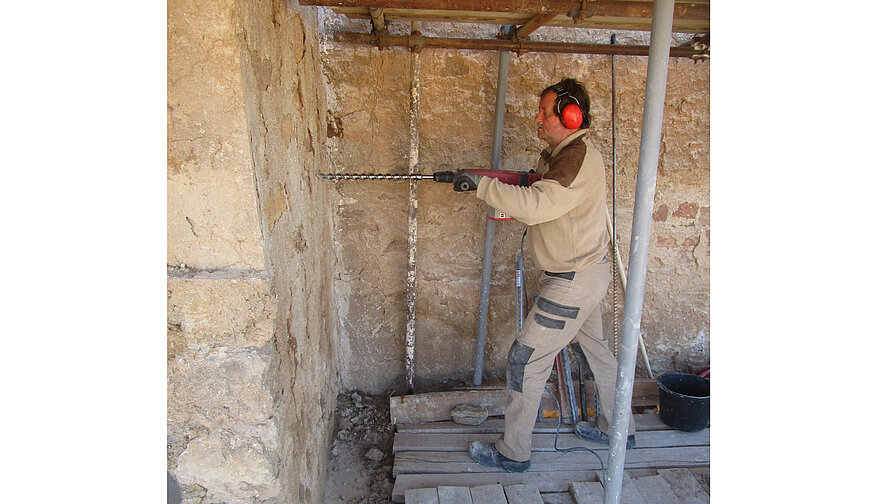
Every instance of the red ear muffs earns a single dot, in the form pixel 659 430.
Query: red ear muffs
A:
pixel 567 108
pixel 571 117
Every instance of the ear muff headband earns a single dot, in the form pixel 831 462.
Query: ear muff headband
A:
pixel 567 108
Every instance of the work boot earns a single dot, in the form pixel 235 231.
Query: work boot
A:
pixel 589 432
pixel 489 456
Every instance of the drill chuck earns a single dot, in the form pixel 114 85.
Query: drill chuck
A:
pixel 444 176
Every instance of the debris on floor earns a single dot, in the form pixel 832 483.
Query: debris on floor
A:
pixel 359 470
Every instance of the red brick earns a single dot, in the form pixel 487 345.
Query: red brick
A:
pixel 666 241
pixel 686 210
pixel 661 213
pixel 690 241
pixel 704 216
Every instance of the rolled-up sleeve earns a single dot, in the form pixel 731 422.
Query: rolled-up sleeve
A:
pixel 543 201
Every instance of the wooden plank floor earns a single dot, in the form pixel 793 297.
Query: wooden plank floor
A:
pixel 662 488
pixel 430 455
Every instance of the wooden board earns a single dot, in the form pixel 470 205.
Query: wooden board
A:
pixel 488 494
pixel 587 492
pixel 643 422
pixel 437 406
pixel 438 462
pixel 556 481
pixel 685 486
pixel 525 493
pixel 460 442
pixel 630 493
pixel 454 495
pixel 649 421
pixel 557 498
pixel 645 393
pixel 489 426
pixel 701 474
pixel 656 489
pixel 422 496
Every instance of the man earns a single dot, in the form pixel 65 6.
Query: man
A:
pixel 566 214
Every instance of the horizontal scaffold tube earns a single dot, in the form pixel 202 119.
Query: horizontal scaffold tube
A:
pixel 415 41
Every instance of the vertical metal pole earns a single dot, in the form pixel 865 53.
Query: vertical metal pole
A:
pixel 503 63
pixel 613 231
pixel 413 160
pixel 570 389
pixel 648 158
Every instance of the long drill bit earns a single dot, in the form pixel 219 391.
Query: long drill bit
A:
pixel 373 176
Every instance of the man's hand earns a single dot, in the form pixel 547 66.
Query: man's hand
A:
pixel 466 181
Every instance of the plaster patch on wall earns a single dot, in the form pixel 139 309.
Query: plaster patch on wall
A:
pixel 274 207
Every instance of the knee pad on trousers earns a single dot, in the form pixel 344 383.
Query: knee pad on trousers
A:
pixel 517 358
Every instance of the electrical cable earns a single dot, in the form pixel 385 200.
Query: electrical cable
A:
pixel 603 470
pixel 523 275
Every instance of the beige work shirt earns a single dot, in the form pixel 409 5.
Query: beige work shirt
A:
pixel 565 210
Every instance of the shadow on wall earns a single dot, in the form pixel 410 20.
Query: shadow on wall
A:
pixel 173 490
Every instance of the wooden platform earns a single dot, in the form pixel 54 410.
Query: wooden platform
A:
pixel 669 486
pixel 433 455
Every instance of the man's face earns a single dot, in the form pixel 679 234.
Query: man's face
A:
pixel 550 129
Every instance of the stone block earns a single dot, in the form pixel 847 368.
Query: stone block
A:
pixel 211 312
pixel 222 389
pixel 222 436
pixel 213 218
pixel 231 468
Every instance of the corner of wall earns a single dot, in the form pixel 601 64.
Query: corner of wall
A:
pixel 252 379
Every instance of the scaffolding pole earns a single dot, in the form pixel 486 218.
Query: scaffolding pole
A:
pixel 500 98
pixel 519 47
pixel 648 158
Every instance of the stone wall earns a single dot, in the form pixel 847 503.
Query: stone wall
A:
pixel 251 374
pixel 285 106
pixel 283 288
pixel 222 442
pixel 368 131
pixel 212 217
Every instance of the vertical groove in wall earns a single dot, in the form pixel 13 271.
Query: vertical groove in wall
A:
pixel 253 140
pixel 413 159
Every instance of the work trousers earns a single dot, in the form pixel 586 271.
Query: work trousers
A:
pixel 567 310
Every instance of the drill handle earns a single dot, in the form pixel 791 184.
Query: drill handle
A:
pixel 524 179
pixel 517 178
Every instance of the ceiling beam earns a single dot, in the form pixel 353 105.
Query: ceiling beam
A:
pixel 689 16
pixel 520 47
pixel 609 8
pixel 532 6
pixel 518 19
pixel 533 24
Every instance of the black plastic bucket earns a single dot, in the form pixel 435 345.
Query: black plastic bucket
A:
pixel 684 401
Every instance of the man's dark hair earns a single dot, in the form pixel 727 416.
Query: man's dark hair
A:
pixel 574 89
